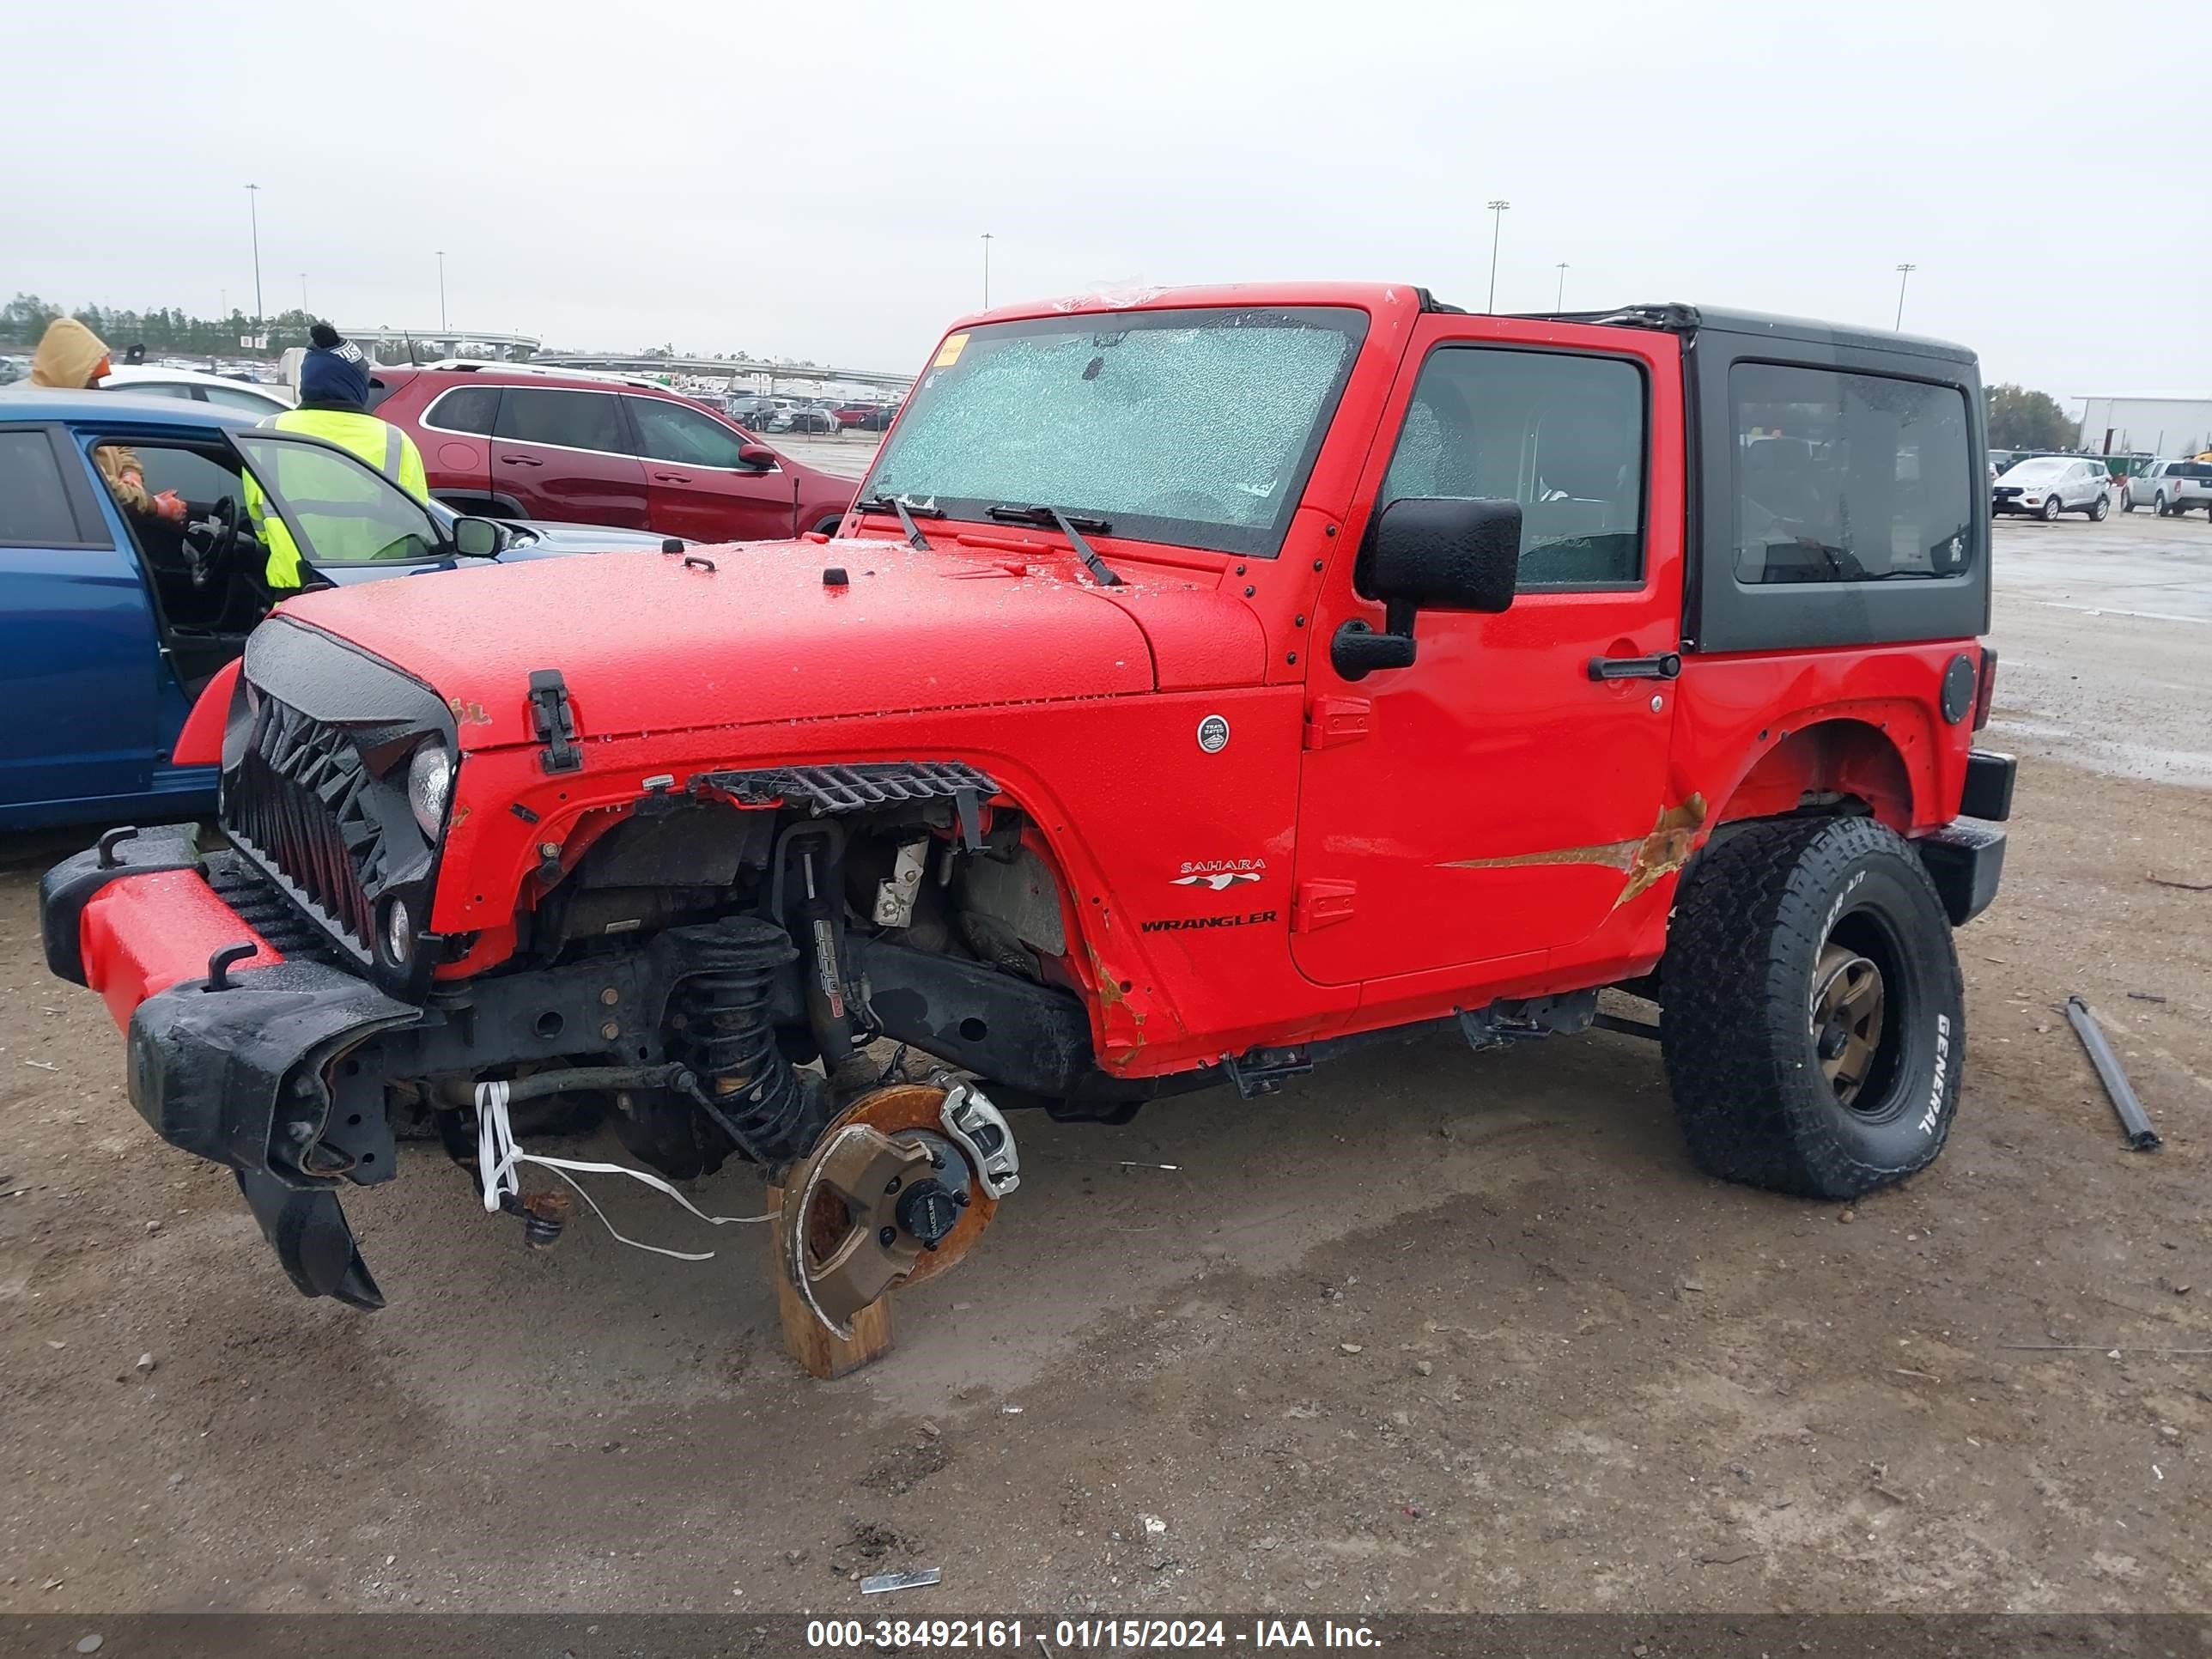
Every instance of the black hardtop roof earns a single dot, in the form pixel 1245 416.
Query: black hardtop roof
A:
pixel 1687 320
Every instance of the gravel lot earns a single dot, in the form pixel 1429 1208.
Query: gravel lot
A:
pixel 1440 1332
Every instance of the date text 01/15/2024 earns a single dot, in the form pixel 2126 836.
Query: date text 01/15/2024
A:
pixel 931 1635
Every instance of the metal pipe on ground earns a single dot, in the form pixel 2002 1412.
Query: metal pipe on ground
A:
pixel 2133 1119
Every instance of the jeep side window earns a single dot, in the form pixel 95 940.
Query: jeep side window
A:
pixel 669 432
pixel 465 409
pixel 567 420
pixel 1848 477
pixel 1561 434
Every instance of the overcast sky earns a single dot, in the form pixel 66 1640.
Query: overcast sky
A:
pixel 812 177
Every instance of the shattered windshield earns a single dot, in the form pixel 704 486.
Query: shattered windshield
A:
pixel 1192 426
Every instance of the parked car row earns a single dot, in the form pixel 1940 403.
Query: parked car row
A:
pixel 2047 486
pixel 111 623
pixel 523 444
pixel 805 416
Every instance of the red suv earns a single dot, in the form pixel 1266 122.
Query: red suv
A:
pixel 521 444
pixel 1208 683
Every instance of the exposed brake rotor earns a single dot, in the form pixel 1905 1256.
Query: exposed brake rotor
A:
pixel 898 1189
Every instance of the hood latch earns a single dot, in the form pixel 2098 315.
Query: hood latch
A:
pixel 554 720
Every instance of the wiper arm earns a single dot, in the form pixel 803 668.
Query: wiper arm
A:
pixel 1071 528
pixel 907 515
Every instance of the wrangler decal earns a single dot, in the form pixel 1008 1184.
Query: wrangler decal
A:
pixel 1177 924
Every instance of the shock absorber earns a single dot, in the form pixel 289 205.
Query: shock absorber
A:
pixel 729 1040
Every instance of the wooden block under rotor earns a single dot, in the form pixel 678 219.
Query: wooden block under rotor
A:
pixel 805 1337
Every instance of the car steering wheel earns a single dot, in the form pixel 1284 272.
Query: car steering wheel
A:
pixel 208 542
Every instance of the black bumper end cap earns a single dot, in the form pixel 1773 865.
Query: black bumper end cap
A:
pixel 309 1232
pixel 65 889
pixel 215 1072
pixel 1965 860
pixel 1988 786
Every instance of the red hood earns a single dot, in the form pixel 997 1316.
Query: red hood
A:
pixel 645 642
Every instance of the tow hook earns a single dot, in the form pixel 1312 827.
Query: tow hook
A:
pixel 543 1216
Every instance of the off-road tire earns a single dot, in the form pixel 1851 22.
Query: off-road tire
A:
pixel 1737 984
pixel 2052 507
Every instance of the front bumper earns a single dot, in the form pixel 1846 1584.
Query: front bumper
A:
pixel 237 1060
pixel 280 1066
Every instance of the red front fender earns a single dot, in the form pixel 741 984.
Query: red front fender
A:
pixel 200 744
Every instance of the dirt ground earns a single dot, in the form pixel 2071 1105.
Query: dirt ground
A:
pixel 1429 1331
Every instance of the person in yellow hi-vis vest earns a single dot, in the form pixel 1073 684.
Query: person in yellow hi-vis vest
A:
pixel 334 407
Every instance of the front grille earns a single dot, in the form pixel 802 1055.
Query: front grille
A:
pixel 297 803
pixel 262 907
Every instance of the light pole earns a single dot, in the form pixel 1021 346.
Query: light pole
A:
pixel 442 289
pixel 1559 300
pixel 986 271
pixel 253 218
pixel 1497 225
pixel 1904 275
pixel 303 290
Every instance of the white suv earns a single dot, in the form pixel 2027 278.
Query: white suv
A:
pixel 2048 485
pixel 2172 487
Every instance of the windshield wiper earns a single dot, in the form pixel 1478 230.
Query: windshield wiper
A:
pixel 1053 518
pixel 907 515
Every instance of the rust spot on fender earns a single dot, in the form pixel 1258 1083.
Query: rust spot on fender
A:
pixel 467 713
pixel 1110 997
pixel 1646 862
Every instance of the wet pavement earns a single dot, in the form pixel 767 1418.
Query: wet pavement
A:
pixel 2100 631
pixel 2133 564
pixel 845 457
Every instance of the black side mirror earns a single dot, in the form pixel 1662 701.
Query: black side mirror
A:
pixel 757 455
pixel 475 538
pixel 1441 554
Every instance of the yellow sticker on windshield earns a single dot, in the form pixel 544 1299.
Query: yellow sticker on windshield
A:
pixel 949 353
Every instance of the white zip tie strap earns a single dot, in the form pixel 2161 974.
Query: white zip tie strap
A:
pixel 498 1152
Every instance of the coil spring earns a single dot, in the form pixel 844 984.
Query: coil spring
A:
pixel 729 1041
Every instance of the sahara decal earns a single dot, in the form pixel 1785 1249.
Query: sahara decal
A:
pixel 1647 862
pixel 1178 923
pixel 1219 874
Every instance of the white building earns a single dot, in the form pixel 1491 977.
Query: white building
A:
pixel 2165 423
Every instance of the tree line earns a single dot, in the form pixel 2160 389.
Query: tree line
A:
pixel 2021 419
pixel 163 333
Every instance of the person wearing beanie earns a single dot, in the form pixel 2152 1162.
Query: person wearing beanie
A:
pixel 71 357
pixel 334 407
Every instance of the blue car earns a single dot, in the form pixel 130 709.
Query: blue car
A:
pixel 112 621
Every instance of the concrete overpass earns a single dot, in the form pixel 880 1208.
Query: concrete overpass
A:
pixel 745 373
pixel 389 345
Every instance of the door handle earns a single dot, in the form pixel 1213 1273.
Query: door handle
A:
pixel 518 460
pixel 672 477
pixel 1664 667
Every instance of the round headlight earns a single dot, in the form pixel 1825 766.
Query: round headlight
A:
pixel 398 933
pixel 430 785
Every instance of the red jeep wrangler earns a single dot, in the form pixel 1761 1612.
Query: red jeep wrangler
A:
pixel 1203 685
